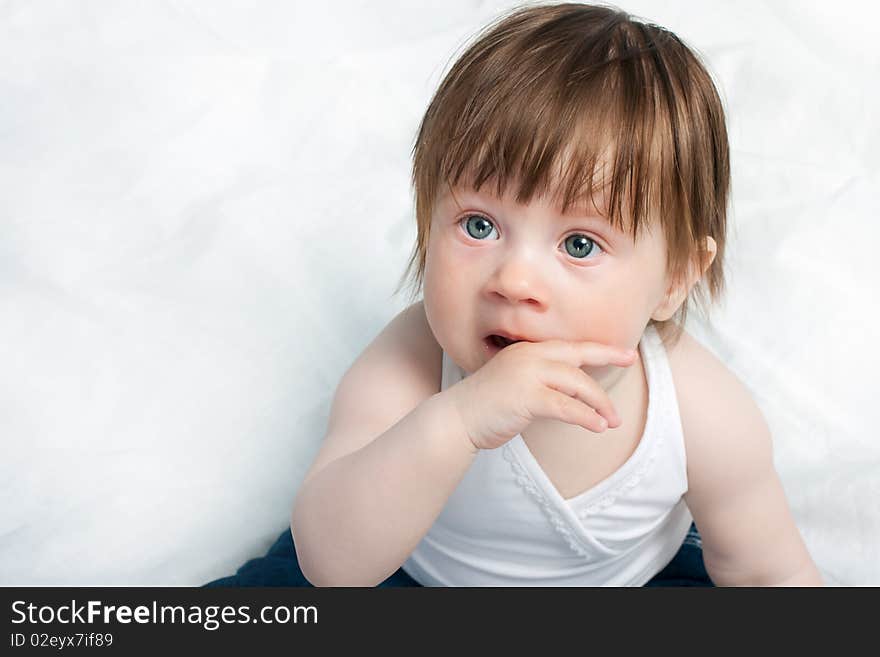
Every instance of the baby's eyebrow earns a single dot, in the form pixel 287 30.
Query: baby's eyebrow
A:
pixel 589 216
pixel 611 230
pixel 582 213
pixel 583 209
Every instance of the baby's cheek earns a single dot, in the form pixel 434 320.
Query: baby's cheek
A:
pixel 443 296
pixel 441 283
pixel 615 319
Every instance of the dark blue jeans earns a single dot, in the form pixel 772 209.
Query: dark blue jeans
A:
pixel 280 568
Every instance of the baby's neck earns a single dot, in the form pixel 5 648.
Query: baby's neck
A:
pixel 610 378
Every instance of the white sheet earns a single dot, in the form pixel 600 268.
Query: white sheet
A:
pixel 205 209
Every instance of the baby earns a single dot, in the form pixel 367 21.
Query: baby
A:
pixel 540 417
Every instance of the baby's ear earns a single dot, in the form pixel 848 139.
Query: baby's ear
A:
pixel 676 294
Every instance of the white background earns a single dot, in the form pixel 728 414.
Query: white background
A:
pixel 205 210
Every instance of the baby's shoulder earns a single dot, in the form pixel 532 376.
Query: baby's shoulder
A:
pixel 719 417
pixel 694 367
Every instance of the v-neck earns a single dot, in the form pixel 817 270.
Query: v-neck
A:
pixel 506 492
pixel 596 492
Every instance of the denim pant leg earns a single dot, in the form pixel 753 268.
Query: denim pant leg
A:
pixel 686 567
pixel 280 567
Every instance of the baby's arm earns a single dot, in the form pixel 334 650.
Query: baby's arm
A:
pixel 734 492
pixel 394 452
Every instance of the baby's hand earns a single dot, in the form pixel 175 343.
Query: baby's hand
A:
pixel 528 380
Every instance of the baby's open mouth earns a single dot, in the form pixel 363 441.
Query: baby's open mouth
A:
pixel 500 342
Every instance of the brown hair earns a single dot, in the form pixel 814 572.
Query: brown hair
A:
pixel 551 96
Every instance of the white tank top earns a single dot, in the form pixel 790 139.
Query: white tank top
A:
pixel 505 524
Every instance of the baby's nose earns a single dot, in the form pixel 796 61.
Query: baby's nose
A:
pixel 518 281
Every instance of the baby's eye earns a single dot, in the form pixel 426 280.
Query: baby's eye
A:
pixel 577 245
pixel 580 246
pixel 477 226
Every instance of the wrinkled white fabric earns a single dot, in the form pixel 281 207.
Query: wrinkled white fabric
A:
pixel 507 525
pixel 205 209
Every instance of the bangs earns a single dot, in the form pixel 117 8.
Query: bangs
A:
pixel 579 132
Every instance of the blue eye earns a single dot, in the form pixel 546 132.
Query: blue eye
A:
pixel 477 227
pixel 580 246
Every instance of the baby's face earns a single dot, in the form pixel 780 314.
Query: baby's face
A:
pixel 495 266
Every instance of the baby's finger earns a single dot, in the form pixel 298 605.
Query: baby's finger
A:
pixel 574 382
pixel 560 406
pixel 587 353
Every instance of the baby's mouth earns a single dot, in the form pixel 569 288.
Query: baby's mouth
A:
pixel 500 342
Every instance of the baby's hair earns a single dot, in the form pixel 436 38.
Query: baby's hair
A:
pixel 549 97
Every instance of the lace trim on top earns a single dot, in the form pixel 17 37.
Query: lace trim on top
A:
pixel 525 481
pixel 625 486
